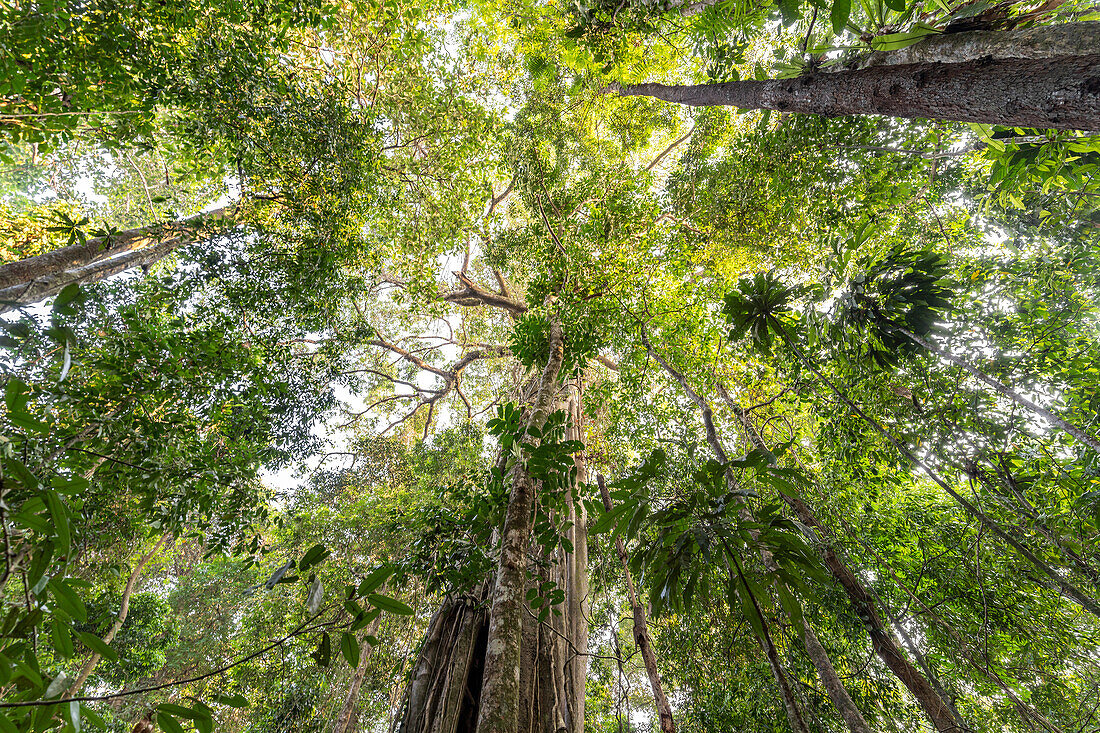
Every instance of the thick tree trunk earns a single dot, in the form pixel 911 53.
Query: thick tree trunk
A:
pixel 537 684
pixel 501 700
pixel 1040 42
pixel 1052 93
pixel 641 630
pixel 444 688
pixel 33 279
pixel 347 717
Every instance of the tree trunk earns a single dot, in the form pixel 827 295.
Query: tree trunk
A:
pixel 123 611
pixel 577 601
pixel 822 663
pixel 940 712
pixel 641 631
pixel 1004 390
pixel 1040 42
pixel 537 684
pixel 1053 579
pixel 937 710
pixel 347 717
pixel 1053 93
pixel 501 702
pixel 30 280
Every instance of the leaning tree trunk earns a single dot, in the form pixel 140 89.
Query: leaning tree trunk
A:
pixel 1052 578
pixel 820 658
pixel 123 611
pixel 540 665
pixel 886 647
pixel 35 278
pixel 1052 93
pixel 939 711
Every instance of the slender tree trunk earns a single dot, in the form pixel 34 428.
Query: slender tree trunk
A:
pixel 940 712
pixel 1054 93
pixel 120 619
pixel 30 280
pixel 786 695
pixel 1004 390
pixel 500 694
pixel 576 563
pixel 1039 524
pixel 822 663
pixel 641 630
pixel 929 673
pixel 347 717
pixel 1053 579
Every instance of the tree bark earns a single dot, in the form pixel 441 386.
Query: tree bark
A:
pixel 1004 390
pixel 500 695
pixel 576 564
pixel 1053 579
pixel 1052 93
pixel 641 630
pixel 822 663
pixel 33 279
pixel 447 687
pixel 1040 42
pixel 345 719
pixel 940 712
pixel 123 611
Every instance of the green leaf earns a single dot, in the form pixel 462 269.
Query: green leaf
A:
pixel 313 555
pixel 323 654
pixel 72 714
pixel 842 9
pixel 168 724
pixel 179 711
pixel 788 10
pixel 374 580
pixel 67 598
pixel 233 701
pixel 97 645
pixel 60 519
pixel 62 638
pixel 6 726
pixel 66 296
pixel 349 647
pixel 790 605
pixel 389 604
pixel 895 41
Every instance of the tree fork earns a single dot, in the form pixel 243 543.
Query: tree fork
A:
pixel 1061 93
